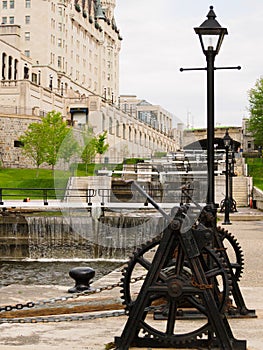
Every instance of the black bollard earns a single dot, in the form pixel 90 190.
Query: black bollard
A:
pixel 82 277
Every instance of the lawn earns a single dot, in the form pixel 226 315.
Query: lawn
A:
pixel 17 179
pixel 255 169
pixel 18 183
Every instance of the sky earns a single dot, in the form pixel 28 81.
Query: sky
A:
pixel 159 39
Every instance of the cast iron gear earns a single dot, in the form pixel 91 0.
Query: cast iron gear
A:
pixel 234 252
pixel 175 290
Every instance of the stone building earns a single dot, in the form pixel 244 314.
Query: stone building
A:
pixel 63 55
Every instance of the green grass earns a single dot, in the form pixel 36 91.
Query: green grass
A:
pixel 28 178
pixel 255 169
pixel 13 181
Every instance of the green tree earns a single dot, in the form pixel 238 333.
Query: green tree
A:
pixel 89 151
pixel 255 122
pixel 69 147
pixel 42 141
pixel 101 145
pixel 56 130
pixel 33 142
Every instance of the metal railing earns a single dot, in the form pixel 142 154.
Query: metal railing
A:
pixel 124 194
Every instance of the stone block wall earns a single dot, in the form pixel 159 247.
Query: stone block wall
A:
pixel 11 128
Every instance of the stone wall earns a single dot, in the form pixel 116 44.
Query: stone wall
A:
pixel 11 128
pixel 258 198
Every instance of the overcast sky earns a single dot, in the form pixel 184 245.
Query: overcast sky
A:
pixel 158 39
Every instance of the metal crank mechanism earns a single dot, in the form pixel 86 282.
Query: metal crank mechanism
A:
pixel 184 270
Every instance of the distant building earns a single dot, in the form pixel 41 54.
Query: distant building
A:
pixel 63 55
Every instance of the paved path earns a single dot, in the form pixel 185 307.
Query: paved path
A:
pixel 94 334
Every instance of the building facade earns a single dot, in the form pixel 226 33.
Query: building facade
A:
pixel 63 55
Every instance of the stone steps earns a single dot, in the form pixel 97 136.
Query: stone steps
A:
pixel 241 189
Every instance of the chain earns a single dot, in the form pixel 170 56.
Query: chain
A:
pixel 201 286
pixel 43 302
pixel 70 318
pixel 63 318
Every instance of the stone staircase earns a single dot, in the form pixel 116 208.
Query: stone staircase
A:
pixel 242 186
pixel 97 189
pixel 88 189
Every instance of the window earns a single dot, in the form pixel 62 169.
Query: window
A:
pixel 27 19
pixel 28 4
pixel 4 5
pixel 12 4
pixel 110 126
pixel 4 20
pixel 34 78
pixel 59 61
pixel 59 42
pixel 11 20
pixel 27 53
pixel 27 36
pixel 18 143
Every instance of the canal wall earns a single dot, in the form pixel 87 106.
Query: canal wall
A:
pixel 111 236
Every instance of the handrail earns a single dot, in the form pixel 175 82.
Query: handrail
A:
pixel 103 194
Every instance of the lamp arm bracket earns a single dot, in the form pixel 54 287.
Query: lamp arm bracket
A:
pixel 237 67
pixel 215 68
pixel 183 69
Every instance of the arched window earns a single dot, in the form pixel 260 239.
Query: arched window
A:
pixel 110 126
pixel 118 128
pixel 130 134
pixel 124 131
pixel 3 65
pixel 10 60
pixel 15 69
pixel 26 72
pixel 103 122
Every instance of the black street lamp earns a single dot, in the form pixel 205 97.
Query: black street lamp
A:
pixel 233 204
pixel 211 36
pixel 227 143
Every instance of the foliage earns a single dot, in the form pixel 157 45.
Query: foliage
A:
pixel 32 143
pixel 255 123
pixel 89 151
pixel 159 154
pixel 93 145
pixel 42 141
pixel 101 146
pixel 133 160
pixel 56 131
pixel 68 147
pixel 255 167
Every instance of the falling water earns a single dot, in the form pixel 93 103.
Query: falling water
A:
pixel 110 236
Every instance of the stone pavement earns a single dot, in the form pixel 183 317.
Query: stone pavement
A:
pixel 247 226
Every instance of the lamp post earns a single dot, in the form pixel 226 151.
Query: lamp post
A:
pixel 211 36
pixel 233 204
pixel 227 143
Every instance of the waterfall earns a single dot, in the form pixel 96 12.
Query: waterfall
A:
pixel 113 236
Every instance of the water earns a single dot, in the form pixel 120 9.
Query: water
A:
pixel 49 272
